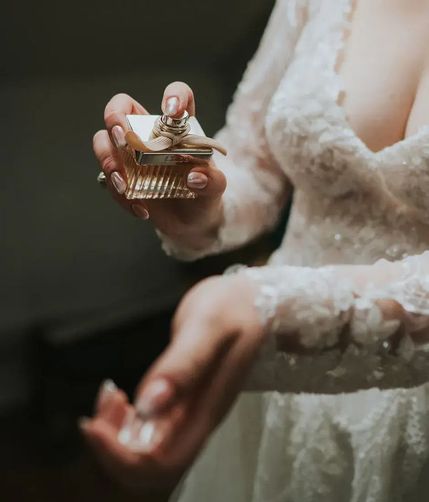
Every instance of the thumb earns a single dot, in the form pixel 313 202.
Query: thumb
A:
pixel 191 358
pixel 207 181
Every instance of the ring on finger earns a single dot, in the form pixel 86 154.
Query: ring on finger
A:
pixel 101 179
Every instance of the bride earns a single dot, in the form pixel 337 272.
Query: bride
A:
pixel 331 335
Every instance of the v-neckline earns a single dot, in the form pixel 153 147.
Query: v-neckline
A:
pixel 348 12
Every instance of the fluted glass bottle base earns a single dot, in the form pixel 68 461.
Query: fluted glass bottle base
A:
pixel 158 182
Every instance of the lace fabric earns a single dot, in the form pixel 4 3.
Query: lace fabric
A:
pixel 258 187
pixel 349 280
pixel 362 331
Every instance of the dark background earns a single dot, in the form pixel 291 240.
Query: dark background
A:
pixel 86 293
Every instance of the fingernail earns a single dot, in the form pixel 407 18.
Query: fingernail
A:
pixel 140 212
pixel 83 423
pixel 124 435
pixel 118 182
pixel 197 180
pixel 107 389
pixel 172 106
pixel 155 397
pixel 139 435
pixel 119 136
pixel 148 438
pixel 109 386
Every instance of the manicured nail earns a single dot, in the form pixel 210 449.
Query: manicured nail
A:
pixel 107 389
pixel 139 435
pixel 119 136
pixel 197 180
pixel 83 423
pixel 140 212
pixel 155 397
pixel 118 182
pixel 109 386
pixel 124 435
pixel 148 438
pixel 172 106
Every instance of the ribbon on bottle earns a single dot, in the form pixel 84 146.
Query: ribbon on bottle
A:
pixel 163 140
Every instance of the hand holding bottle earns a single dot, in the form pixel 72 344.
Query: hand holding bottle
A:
pixel 194 222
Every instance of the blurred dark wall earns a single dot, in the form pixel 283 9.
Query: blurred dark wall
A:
pixel 67 252
pixel 100 37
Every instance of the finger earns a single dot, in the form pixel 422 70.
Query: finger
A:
pixel 115 411
pixel 206 399
pixel 139 469
pixel 106 154
pixel 118 460
pixel 107 389
pixel 208 402
pixel 206 407
pixel 117 109
pixel 216 399
pixel 178 98
pixel 203 409
pixel 188 362
pixel 112 404
pixel 149 437
pixel 111 163
pixel 207 180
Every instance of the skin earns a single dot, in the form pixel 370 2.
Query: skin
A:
pixel 194 222
pixel 204 366
pixel 388 43
pixel 209 354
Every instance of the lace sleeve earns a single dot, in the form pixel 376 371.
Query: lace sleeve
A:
pixel 257 188
pixel 343 328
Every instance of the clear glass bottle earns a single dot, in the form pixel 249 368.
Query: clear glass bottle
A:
pixel 162 174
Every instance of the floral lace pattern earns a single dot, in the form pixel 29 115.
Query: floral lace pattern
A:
pixel 351 208
pixel 356 342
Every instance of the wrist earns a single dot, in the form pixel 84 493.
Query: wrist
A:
pixel 246 293
pixel 197 232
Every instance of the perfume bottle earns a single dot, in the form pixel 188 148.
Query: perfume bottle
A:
pixel 161 152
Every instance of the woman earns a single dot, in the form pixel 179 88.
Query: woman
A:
pixel 335 104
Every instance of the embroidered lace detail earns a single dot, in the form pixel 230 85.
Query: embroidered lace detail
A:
pixel 324 309
pixel 256 184
pixel 351 206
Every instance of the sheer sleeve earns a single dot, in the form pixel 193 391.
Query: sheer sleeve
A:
pixel 343 328
pixel 257 189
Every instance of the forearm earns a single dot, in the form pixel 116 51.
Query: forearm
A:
pixel 343 328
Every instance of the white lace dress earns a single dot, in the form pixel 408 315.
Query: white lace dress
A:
pixel 348 421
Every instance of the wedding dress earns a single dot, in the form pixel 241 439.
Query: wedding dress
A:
pixel 349 421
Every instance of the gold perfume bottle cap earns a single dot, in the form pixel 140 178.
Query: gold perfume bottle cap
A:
pixel 170 136
pixel 177 123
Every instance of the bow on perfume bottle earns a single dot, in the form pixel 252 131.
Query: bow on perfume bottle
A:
pixel 164 151
pixel 168 132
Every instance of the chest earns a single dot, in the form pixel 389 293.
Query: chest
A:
pixel 384 67
pixel 351 114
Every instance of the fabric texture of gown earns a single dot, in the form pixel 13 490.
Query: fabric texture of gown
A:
pixel 349 423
